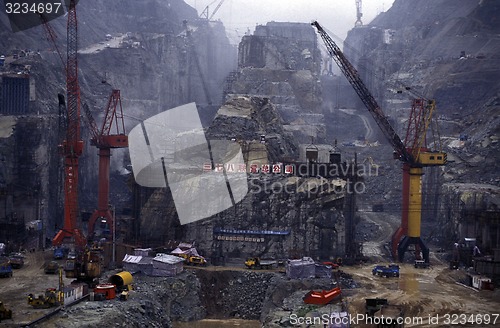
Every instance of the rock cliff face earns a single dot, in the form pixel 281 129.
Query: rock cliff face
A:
pixel 160 55
pixel 470 211
pixel 447 51
pixel 282 61
pixel 307 212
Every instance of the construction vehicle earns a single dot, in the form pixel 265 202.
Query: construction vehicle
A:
pixel 257 263
pixel 391 270
pixel 51 267
pixel 16 260
pixel 124 295
pixel 195 260
pixel 5 268
pixel 86 265
pixel 190 259
pixel 420 264
pixel 59 253
pixel 4 312
pixel 413 152
pixel 48 299
pixel 51 297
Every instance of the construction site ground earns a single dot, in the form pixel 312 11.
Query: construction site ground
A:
pixel 30 278
pixel 420 292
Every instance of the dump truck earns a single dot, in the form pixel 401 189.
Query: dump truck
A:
pixel 4 312
pixel 257 263
pixel 392 270
pixel 43 301
pixel 58 253
pixel 16 260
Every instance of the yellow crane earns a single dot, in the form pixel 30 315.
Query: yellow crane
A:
pixel 413 152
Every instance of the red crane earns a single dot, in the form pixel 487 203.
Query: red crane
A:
pixel 105 141
pixel 72 146
pixel 51 36
pixel 413 152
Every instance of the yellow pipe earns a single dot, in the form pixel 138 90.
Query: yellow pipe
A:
pixel 415 202
pixel 123 278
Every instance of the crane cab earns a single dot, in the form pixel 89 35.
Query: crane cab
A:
pixel 432 158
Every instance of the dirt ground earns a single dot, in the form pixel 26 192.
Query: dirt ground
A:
pixel 423 293
pixel 28 279
pixel 429 297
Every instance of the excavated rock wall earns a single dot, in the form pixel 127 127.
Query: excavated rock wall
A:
pixel 308 209
pixel 470 211
pixel 165 56
pixel 281 61
pixel 29 176
pixel 447 52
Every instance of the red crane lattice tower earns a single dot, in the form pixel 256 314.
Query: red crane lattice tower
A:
pixel 104 141
pixel 72 146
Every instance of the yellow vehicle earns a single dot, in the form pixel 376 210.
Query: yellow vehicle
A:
pixel 196 260
pixel 257 263
pixel 124 296
pixel 193 259
pixel 43 301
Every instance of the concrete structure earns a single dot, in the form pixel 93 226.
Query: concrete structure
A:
pixel 14 94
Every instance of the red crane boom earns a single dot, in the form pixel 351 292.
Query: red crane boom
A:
pixel 72 146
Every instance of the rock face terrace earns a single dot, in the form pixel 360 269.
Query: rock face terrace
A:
pixel 321 179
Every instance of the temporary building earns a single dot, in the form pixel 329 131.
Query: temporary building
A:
pixel 142 251
pixel 165 265
pixel 300 269
pixel 323 271
pixel 135 264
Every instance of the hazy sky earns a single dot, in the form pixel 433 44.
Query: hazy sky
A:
pixel 337 16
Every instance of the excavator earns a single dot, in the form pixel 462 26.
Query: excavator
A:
pixel 413 152
pixel 50 298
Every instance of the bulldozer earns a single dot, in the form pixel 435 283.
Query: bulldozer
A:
pixel 49 299
pixel 193 259
pixel 4 312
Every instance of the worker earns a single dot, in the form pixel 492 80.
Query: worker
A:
pixel 456 254
pixel 476 252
